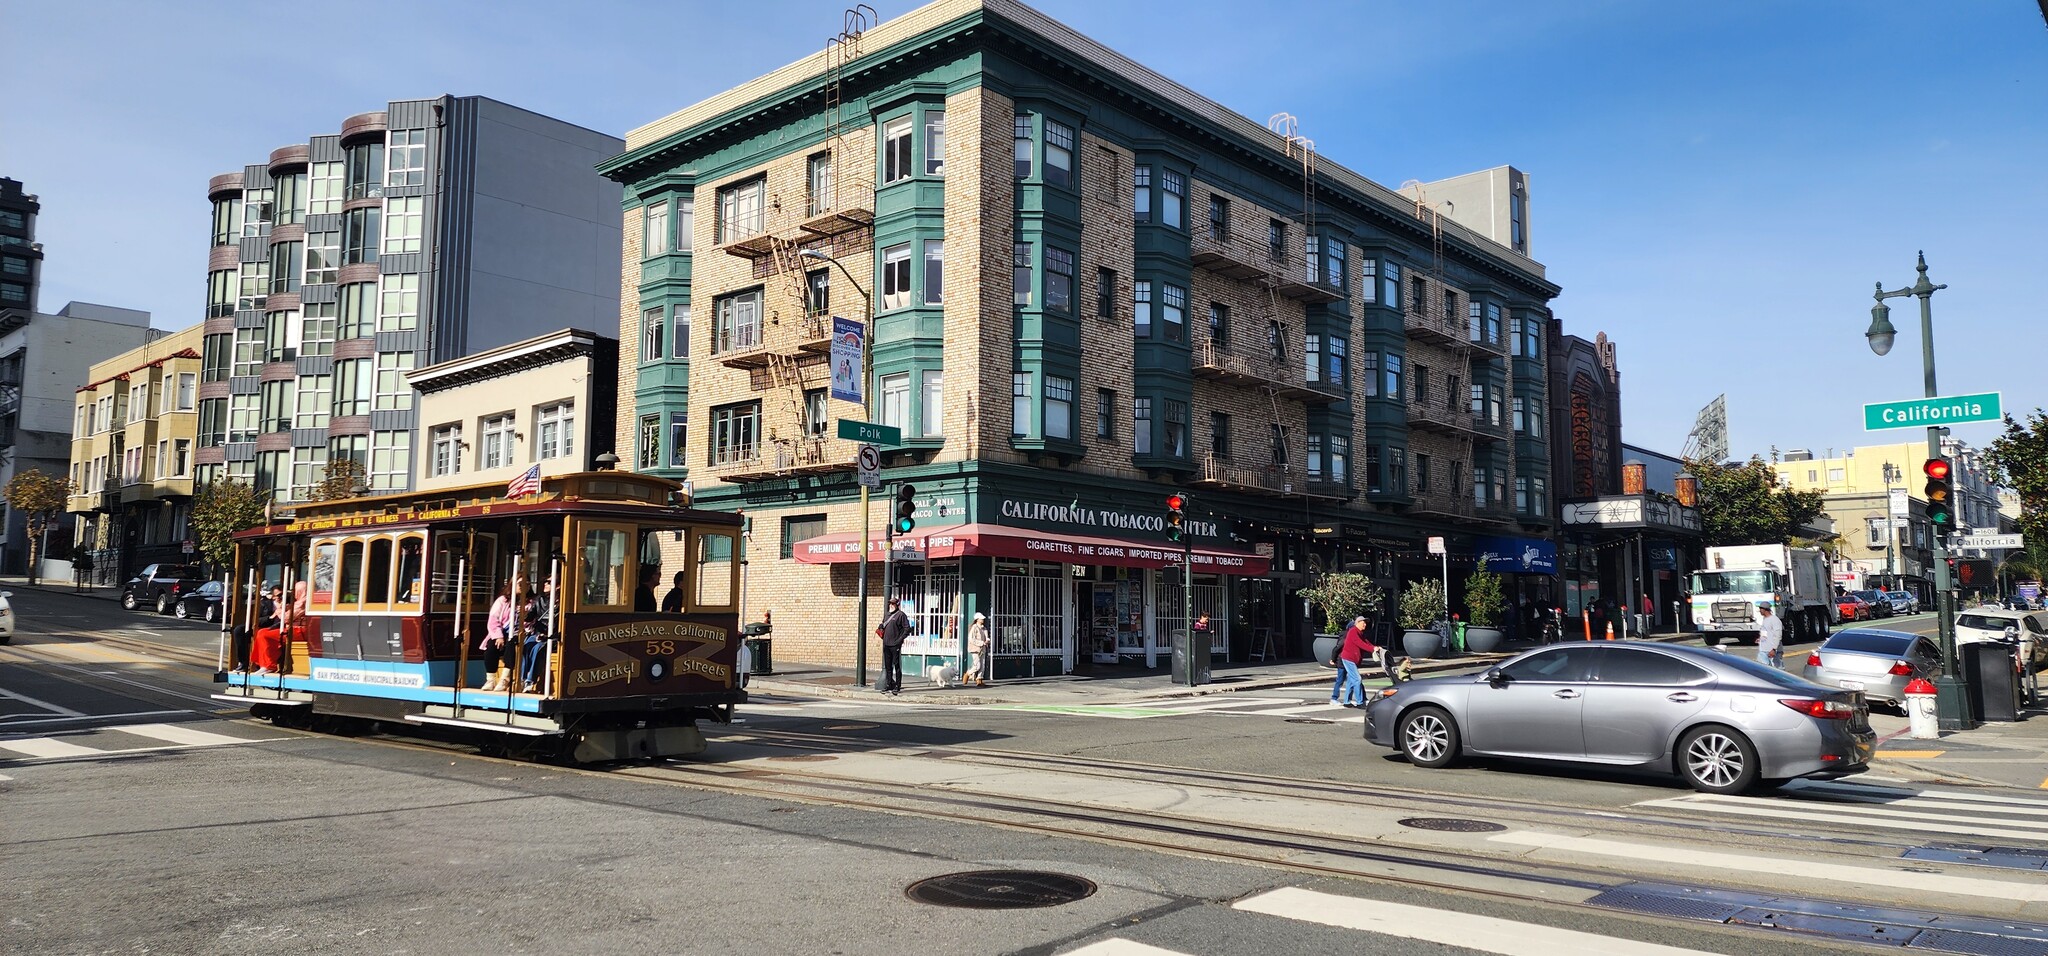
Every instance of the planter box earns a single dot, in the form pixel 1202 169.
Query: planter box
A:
pixel 1422 643
pixel 1484 640
pixel 1325 646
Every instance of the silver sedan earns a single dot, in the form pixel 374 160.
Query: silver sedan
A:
pixel 1879 663
pixel 1721 722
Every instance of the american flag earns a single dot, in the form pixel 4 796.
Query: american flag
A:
pixel 528 483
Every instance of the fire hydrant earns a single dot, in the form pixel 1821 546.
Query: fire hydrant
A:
pixel 1922 722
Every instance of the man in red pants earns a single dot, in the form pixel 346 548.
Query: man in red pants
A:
pixel 265 651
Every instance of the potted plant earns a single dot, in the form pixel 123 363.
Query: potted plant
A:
pixel 1342 596
pixel 1422 605
pixel 1484 602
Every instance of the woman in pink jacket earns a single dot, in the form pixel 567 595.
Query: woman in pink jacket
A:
pixel 497 642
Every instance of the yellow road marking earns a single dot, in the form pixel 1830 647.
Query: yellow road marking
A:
pixel 1911 754
pixel 2044 785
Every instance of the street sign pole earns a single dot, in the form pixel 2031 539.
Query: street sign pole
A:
pixel 860 644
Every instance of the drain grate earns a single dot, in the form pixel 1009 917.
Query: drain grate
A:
pixel 1451 825
pixel 1000 889
pixel 803 758
pixel 1683 907
pixel 1915 930
pixel 2009 857
pixel 1973 944
pixel 1306 720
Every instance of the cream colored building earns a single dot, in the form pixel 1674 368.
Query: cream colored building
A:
pixel 135 432
pixel 489 417
pixel 1856 491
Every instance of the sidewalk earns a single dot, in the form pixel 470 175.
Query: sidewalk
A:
pixel 106 592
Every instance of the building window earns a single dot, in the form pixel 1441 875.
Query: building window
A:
pixel 935 143
pixel 359 231
pixel 390 459
pixel 1517 409
pixel 1173 190
pixel 686 222
pixel 1333 264
pixel 187 391
pixel 1141 425
pixel 678 439
pixel 400 311
pixel 402 224
pixel 649 442
pixel 895 408
pixel 1393 376
pixel 496 450
pixel 221 287
pixel 1059 154
pixel 1312 356
pixel 896 150
pixel 739 210
pixel 1492 324
pixel 1311 270
pixel 816 413
pixel 393 391
pixel 1337 361
pixel 213 422
pixel 1518 239
pixel 1521 494
pixel 227 221
pixel 1020 275
pixel 799 529
pixel 1369 280
pixel 1421 474
pixel 289 191
pixel 1540 495
pixel 679 343
pixel 1276 346
pixel 735 432
pixel 932 408
pixel 1369 375
pixel 365 171
pixel 554 429
pixel 323 257
pixel 1219 435
pixel 653 324
pixel 325 190
pixel 309 469
pixel 1176 428
pixel 1390 286
pixel 1020 404
pixel 1173 311
pixel 1278 433
pixel 1105 293
pixel 1059 407
pixel 273 474
pixel 654 229
pixel 1315 457
pixel 249 345
pixel 256 206
pixel 1059 280
pixel 446 450
pixel 358 308
pixel 255 287
pixel 737 325
pixel 1105 414
pixel 315 401
pixel 138 402
pixel 277 330
pixel 181 458
pixel 1276 240
pixel 1141 308
pixel 408 158
pixel 896 276
pixel 1219 323
pixel 352 380
pixel 1141 194
pixel 1419 381
pixel 818 184
pixel 1021 136
pixel 1219 218
pixel 245 415
pixel 934 272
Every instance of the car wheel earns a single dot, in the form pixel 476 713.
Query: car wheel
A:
pixel 1429 737
pixel 212 613
pixel 184 613
pixel 163 604
pixel 1715 759
pixel 129 603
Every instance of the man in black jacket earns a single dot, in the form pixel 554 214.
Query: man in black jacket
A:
pixel 895 627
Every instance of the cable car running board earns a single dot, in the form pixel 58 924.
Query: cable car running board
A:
pixel 548 730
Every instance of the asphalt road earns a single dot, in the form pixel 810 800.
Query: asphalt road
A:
pixel 171 824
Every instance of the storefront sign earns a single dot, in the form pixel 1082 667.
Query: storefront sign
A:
pixel 1326 530
pixel 1073 515
pixel 1631 511
pixel 1506 555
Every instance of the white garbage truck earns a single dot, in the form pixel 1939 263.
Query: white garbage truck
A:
pixel 1736 578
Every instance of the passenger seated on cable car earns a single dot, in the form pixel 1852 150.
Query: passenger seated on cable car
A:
pixel 264 652
pixel 643 596
pixel 538 618
pixel 672 602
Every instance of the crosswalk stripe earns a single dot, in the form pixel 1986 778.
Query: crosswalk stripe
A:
pixel 173 734
pixel 45 747
pixel 1226 702
pixel 1833 872
pixel 1859 786
pixel 1123 947
pixel 1779 810
pixel 1486 934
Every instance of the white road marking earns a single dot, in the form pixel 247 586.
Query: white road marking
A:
pixel 1484 933
pixel 173 734
pixel 32 702
pixel 1859 787
pixel 11 722
pixel 1122 947
pixel 45 747
pixel 1833 813
pixel 1781 866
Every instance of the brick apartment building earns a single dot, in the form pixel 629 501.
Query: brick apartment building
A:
pixel 1086 287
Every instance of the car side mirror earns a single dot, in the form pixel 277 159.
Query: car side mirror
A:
pixel 1498 677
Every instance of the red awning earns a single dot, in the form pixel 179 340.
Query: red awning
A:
pixel 997 541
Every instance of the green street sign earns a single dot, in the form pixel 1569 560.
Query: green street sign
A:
pixel 871 433
pixel 1929 412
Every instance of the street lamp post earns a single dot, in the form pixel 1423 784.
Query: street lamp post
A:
pixel 860 641
pixel 1952 704
pixel 1891 527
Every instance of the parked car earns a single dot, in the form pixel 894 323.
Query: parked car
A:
pixel 1852 607
pixel 1902 602
pixel 202 602
pixel 1722 722
pixel 1880 606
pixel 1879 663
pixel 2030 628
pixel 159 586
pixel 6 616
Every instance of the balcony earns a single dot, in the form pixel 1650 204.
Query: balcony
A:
pixel 1437 411
pixel 1427 326
pixel 1232 257
pixel 815 455
pixel 1334 489
pixel 754 244
pixel 815 334
pixel 1437 500
pixel 1313 291
pixel 841 214
pixel 726 460
pixel 1254 479
pixel 1495 347
pixel 1222 363
pixel 741 347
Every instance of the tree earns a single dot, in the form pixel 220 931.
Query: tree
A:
pixel 2019 460
pixel 1746 504
pixel 338 481
pixel 39 496
pixel 1343 595
pixel 221 509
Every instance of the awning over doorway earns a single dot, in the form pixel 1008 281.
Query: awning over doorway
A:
pixel 997 541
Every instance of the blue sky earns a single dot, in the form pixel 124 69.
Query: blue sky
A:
pixel 1716 186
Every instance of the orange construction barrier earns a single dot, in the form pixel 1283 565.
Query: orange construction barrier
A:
pixel 1586 619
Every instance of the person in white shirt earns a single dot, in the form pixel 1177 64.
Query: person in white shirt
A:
pixel 1770 638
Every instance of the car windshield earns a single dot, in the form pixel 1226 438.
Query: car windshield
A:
pixel 1870 595
pixel 1765 672
pixel 1868 642
pixel 1984 622
pixel 1733 582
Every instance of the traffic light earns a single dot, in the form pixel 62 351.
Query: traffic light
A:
pixel 1176 516
pixel 906 507
pixel 1940 496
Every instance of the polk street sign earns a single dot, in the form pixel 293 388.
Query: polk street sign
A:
pixel 1927 412
pixel 866 432
pixel 1990 542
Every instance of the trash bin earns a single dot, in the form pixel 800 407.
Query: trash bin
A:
pixel 1923 722
pixel 760 647
pixel 1994 684
pixel 1190 658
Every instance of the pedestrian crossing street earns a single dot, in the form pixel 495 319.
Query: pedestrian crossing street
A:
pixel 1405 925
pixel 117 740
pixel 1866 804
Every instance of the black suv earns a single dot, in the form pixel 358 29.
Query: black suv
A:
pixel 160 586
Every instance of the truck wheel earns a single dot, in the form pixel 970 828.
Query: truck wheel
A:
pixel 1711 639
pixel 163 604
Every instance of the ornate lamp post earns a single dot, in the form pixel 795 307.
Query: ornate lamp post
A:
pixel 1952 703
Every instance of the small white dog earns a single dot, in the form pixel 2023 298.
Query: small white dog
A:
pixel 944 675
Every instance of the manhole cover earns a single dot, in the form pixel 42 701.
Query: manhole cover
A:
pixel 849 726
pixel 1000 889
pixel 803 758
pixel 1451 824
pixel 1306 720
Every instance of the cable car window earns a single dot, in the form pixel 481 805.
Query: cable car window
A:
pixel 324 555
pixel 601 567
pixel 411 557
pixel 449 571
pixel 377 582
pixel 351 588
pixel 714 570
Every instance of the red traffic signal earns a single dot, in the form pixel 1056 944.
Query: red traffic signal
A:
pixel 1176 503
pixel 1936 468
